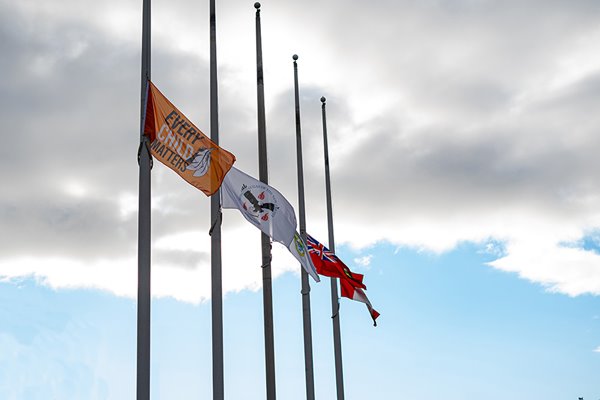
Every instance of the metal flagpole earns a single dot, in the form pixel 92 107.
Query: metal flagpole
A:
pixel 308 357
pixel 335 301
pixel 265 241
pixel 215 238
pixel 145 163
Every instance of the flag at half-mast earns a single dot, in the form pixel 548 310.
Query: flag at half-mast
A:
pixel 300 251
pixel 328 264
pixel 265 208
pixel 261 205
pixel 181 146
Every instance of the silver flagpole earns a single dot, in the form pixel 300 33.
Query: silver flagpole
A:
pixel 308 356
pixel 265 241
pixel 215 215
pixel 335 301
pixel 145 163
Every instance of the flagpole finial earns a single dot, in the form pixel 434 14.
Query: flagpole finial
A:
pixel 295 57
pixel 323 99
pixel 257 5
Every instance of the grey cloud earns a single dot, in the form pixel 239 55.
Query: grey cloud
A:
pixel 77 120
pixel 57 226
pixel 528 161
pixel 468 58
pixel 462 69
pixel 180 258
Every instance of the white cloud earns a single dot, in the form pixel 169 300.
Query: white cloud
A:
pixel 364 261
pixel 188 282
pixel 118 276
pixel 464 122
pixel 597 350
pixel 566 270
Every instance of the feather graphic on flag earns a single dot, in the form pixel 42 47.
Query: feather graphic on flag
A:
pixel 199 162
pixel 180 145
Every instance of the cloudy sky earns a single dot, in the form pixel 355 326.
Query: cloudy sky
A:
pixel 464 139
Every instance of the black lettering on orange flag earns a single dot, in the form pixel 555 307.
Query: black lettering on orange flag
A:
pixel 180 145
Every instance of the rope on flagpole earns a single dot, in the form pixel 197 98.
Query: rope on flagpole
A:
pixel 143 137
pixel 144 143
pixel 337 311
pixel 218 220
pixel 266 265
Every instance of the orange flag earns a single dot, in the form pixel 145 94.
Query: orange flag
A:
pixel 181 146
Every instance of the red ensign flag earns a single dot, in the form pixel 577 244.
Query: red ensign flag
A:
pixel 328 264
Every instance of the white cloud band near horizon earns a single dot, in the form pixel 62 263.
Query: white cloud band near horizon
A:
pixel 447 123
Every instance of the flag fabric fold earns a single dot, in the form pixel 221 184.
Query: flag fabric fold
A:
pixel 358 294
pixel 265 208
pixel 328 264
pixel 262 205
pixel 299 250
pixel 181 146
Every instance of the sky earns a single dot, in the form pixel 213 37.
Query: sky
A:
pixel 463 141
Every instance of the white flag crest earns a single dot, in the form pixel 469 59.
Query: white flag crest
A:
pixel 262 205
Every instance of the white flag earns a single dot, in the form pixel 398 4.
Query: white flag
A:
pixel 299 250
pixel 263 206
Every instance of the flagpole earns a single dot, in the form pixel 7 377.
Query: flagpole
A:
pixel 145 163
pixel 265 241
pixel 335 301
pixel 308 357
pixel 215 215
